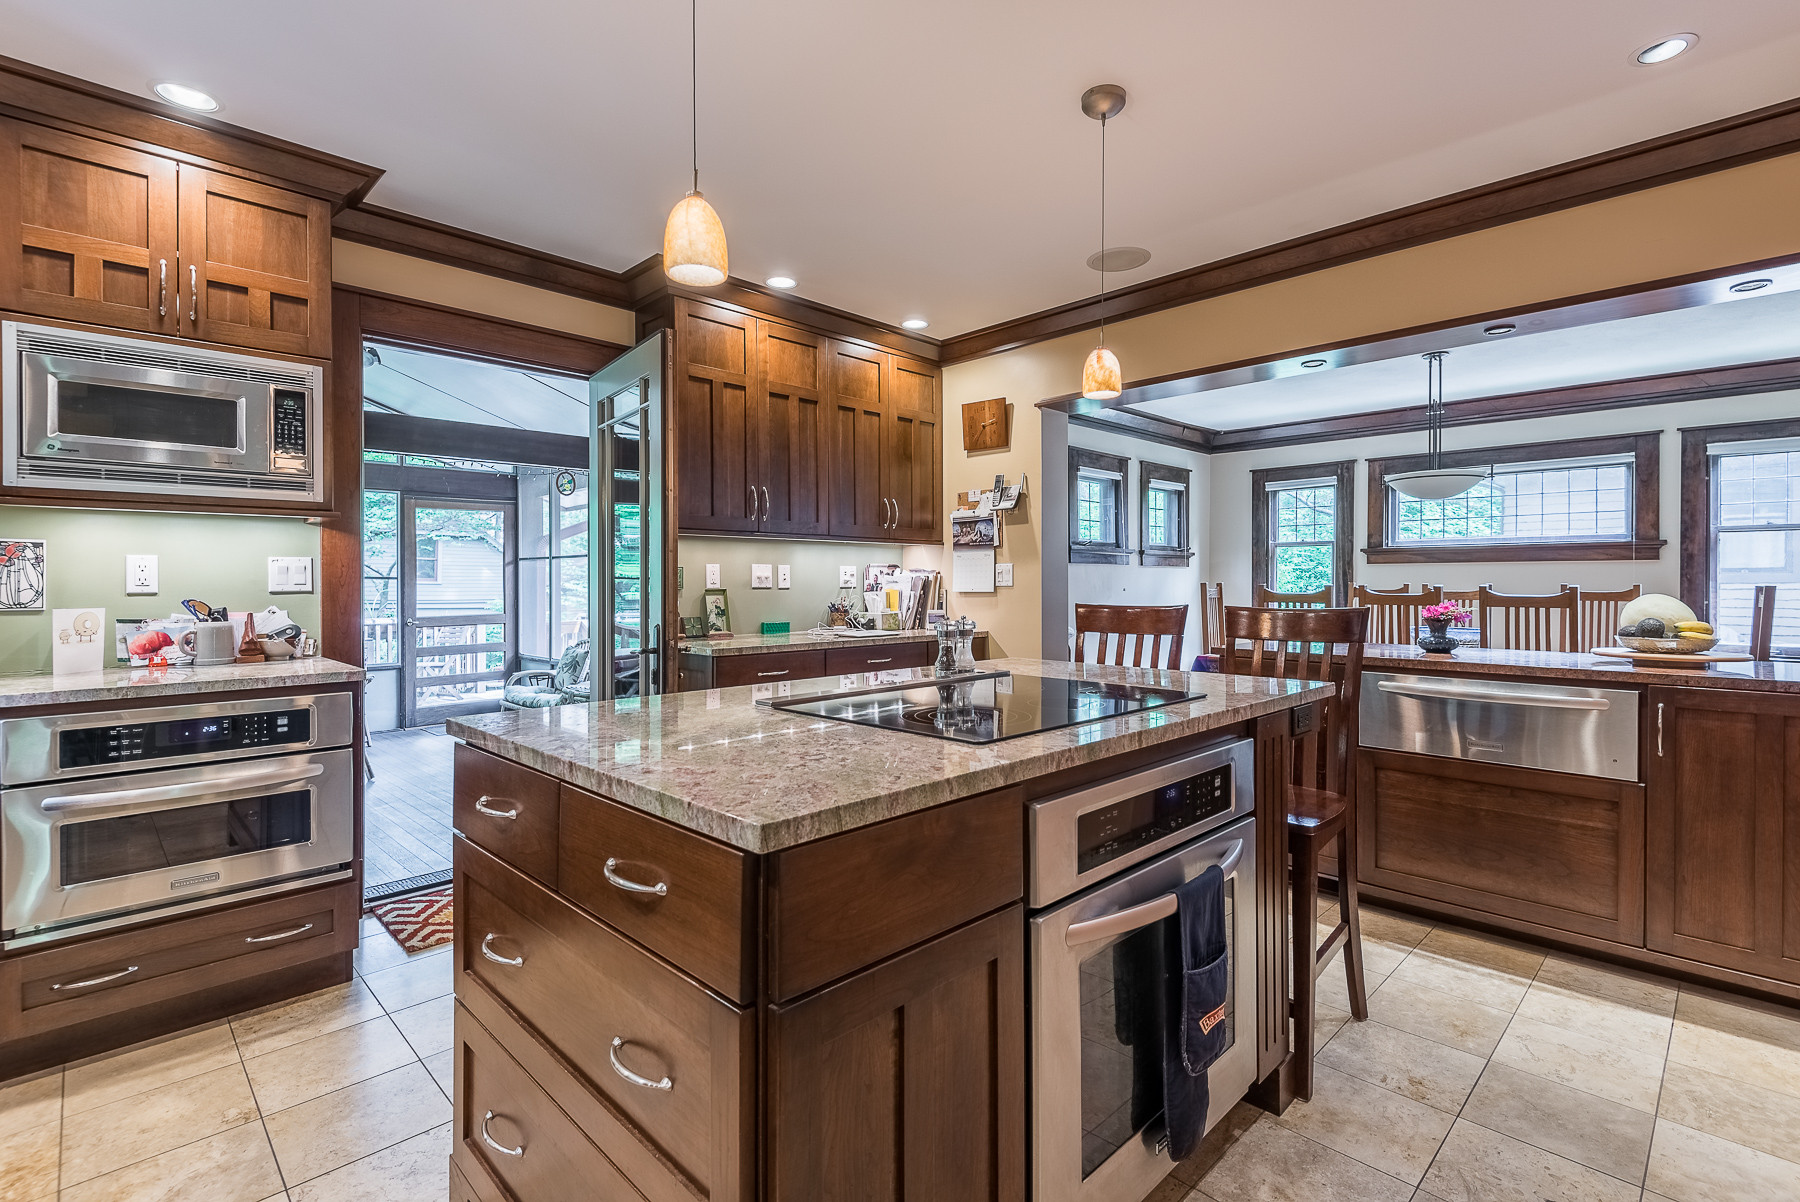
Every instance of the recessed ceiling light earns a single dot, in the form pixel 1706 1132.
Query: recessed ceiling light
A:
pixel 1118 258
pixel 186 97
pixel 1314 362
pixel 780 281
pixel 915 323
pixel 1668 48
pixel 1504 327
pixel 1751 285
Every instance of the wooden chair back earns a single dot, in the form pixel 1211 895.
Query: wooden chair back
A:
pixel 1600 615
pixel 1212 618
pixel 1145 625
pixel 1307 644
pixel 1394 613
pixel 1762 621
pixel 1529 622
pixel 1468 596
pixel 1268 598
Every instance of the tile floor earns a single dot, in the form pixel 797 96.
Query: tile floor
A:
pixel 340 1096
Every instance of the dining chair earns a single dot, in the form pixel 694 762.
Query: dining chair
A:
pixel 1528 621
pixel 1314 644
pixel 1268 598
pixel 1149 626
pixel 1600 614
pixel 1394 613
pixel 1212 617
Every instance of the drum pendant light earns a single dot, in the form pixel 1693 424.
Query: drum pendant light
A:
pixel 1100 376
pixel 694 239
pixel 1436 482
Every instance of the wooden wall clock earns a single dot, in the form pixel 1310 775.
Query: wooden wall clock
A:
pixel 984 425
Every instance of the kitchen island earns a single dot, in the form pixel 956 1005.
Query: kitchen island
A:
pixel 708 948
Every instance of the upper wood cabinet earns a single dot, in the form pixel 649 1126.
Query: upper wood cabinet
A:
pixel 714 351
pixel 788 431
pixel 106 235
pixel 858 417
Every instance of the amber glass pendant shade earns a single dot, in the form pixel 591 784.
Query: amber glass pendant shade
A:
pixel 694 244
pixel 1100 376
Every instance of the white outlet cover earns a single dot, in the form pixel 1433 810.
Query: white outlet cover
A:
pixel 1003 575
pixel 783 578
pixel 290 573
pixel 847 576
pixel 140 575
pixel 712 576
pixel 762 575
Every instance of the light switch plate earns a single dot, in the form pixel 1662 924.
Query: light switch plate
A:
pixel 847 576
pixel 712 576
pixel 761 575
pixel 290 574
pixel 1002 575
pixel 140 575
pixel 783 579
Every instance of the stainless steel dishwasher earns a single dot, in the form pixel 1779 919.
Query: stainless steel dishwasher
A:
pixel 1557 728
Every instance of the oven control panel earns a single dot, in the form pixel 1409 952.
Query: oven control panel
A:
pixel 81 747
pixel 290 422
pixel 1105 834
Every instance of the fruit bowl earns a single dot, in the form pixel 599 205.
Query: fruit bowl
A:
pixel 1687 644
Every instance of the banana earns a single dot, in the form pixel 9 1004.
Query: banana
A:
pixel 1693 628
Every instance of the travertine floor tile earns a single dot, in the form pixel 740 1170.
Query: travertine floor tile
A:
pixel 1444 1017
pixel 302 1071
pixel 1334 988
pixel 1625 986
pixel 378 951
pixel 415 981
pixel 232 1166
pixel 263 1031
pixel 1737 1039
pixel 1379 958
pixel 1584 1128
pixel 1692 1166
pixel 1380 1128
pixel 91 1083
pixel 1478 1165
pixel 29 1102
pixel 414 1170
pixel 1424 1071
pixel 1327 1022
pixel 1573 1010
pixel 1765 1119
pixel 1491 974
pixel 28 1162
pixel 147 1124
pixel 316 1137
pixel 427 1026
pixel 1270 1163
pixel 442 1068
pixel 1485 951
pixel 1593 1063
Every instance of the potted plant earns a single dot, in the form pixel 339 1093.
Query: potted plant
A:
pixel 1438 619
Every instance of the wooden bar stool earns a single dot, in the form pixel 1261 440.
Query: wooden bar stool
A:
pixel 1314 644
pixel 1394 613
pixel 1116 625
pixel 1600 614
pixel 1529 621
pixel 1268 598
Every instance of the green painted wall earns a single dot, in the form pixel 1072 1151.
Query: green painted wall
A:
pixel 221 560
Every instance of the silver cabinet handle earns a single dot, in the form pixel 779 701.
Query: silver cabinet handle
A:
pixel 1450 692
pixel 765 493
pixel 752 488
pixel 888 660
pixel 276 938
pixel 489 1140
pixel 612 1054
pixel 162 287
pixel 111 976
pixel 193 293
pixel 481 807
pixel 221 782
pixel 515 962
pixel 610 871
pixel 1659 730
pixel 783 672
pixel 1141 915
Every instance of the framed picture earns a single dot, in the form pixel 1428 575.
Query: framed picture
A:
pixel 718 612
pixel 693 628
pixel 22 574
pixel 974 532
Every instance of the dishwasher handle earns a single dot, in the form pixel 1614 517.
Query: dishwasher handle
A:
pixel 1451 692
pixel 1142 914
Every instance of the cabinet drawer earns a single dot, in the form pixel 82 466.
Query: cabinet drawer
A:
pixel 700 894
pixel 623 1021
pixel 766 667
pixel 508 810
pixel 529 1145
pixel 109 974
pixel 886 657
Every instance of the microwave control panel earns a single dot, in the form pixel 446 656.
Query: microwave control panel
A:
pixel 1111 831
pixel 146 741
pixel 290 422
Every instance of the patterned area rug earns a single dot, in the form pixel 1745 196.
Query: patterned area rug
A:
pixel 418 922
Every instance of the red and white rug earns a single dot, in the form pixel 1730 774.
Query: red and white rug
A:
pixel 418 921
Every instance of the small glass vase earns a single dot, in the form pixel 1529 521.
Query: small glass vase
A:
pixel 1436 640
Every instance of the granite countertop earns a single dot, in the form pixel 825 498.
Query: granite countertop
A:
pixel 121 685
pixel 717 762
pixel 750 644
pixel 1780 676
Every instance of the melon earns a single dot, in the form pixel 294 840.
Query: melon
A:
pixel 1656 605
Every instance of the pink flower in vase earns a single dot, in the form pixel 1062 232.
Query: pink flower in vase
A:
pixel 1448 611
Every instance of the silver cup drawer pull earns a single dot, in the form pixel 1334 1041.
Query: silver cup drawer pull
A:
pixel 279 935
pixel 514 962
pixel 91 981
pixel 783 672
pixel 612 1054
pixel 482 807
pixel 610 870
pixel 489 1140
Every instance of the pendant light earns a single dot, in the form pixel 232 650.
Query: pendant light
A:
pixel 1437 482
pixel 1100 376
pixel 694 240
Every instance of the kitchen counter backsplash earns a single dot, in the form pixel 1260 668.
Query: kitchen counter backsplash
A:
pixel 121 685
pixel 750 644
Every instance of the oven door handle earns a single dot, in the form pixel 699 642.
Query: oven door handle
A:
pixel 1141 915
pixel 223 783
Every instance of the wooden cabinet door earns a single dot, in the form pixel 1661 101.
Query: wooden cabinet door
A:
pixel 906 1081
pixel 88 228
pixel 857 415
pixel 1723 832
pixel 714 353
pixel 789 431
pixel 915 462
pixel 255 265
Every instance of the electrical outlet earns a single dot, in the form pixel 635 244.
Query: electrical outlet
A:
pixel 712 576
pixel 783 578
pixel 761 575
pixel 140 575
pixel 1003 575
pixel 847 576
pixel 290 574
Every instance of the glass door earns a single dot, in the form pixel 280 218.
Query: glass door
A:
pixel 459 596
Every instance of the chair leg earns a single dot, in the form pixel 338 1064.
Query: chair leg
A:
pixel 1305 939
pixel 1349 915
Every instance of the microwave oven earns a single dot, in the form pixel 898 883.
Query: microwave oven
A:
pixel 94 412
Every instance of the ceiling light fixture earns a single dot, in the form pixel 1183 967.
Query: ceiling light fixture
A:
pixel 1668 48
pixel 1118 258
pixel 1505 327
pixel 1314 362
pixel 694 239
pixel 1436 482
pixel 1751 285
pixel 186 97
pixel 915 323
pixel 780 281
pixel 1101 379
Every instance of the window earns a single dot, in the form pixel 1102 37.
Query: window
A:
pixel 1300 527
pixel 1755 508
pixel 1097 521
pixel 553 560
pixel 1164 517
pixel 1578 499
pixel 426 560
pixel 381 578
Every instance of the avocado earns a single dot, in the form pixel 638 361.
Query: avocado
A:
pixel 1651 628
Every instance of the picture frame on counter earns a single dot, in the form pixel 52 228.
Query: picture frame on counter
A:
pixel 693 627
pixel 718 611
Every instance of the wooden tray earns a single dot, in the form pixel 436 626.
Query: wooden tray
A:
pixel 1672 659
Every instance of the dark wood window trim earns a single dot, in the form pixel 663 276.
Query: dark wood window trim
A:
pixel 1180 553
pixel 1117 551
pixel 1696 500
pixel 1343 473
pixel 1646 542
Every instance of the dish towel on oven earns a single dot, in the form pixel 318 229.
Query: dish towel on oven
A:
pixel 1200 986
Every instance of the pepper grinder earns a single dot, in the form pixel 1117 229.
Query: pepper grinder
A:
pixel 946 656
pixel 965 644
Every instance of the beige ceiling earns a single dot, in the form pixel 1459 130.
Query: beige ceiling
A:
pixel 929 159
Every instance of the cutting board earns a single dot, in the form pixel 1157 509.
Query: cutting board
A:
pixel 1672 659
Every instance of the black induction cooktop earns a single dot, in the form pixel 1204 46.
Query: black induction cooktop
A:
pixel 991 708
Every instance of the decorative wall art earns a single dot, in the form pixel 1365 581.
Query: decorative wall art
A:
pixel 718 612
pixel 974 531
pixel 76 643
pixel 22 574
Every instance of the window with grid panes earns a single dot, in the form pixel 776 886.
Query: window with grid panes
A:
pixel 1302 535
pixel 1559 501
pixel 1755 538
pixel 1097 509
